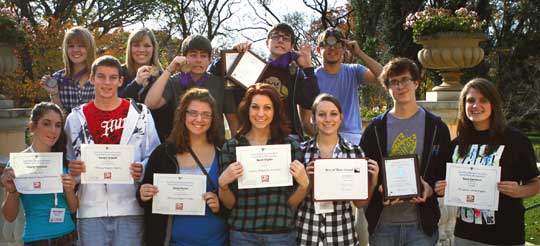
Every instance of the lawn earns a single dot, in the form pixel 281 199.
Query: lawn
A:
pixel 532 220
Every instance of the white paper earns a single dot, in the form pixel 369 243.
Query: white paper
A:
pixel 107 163
pixel 264 166
pixel 248 69
pixel 472 186
pixel 37 173
pixel 400 177
pixel 179 194
pixel 340 179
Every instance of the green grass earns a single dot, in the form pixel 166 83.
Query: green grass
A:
pixel 532 220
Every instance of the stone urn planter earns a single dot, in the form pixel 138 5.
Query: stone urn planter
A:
pixel 8 60
pixel 450 52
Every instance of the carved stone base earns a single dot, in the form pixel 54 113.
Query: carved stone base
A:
pixel 438 96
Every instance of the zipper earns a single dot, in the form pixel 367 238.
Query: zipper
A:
pixel 430 151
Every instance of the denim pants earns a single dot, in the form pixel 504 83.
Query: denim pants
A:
pixel 402 234
pixel 239 238
pixel 113 231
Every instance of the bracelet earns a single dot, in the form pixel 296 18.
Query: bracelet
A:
pixel 167 69
pixel 53 95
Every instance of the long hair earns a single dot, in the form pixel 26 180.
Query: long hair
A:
pixel 279 127
pixel 497 122
pixel 135 37
pixel 83 36
pixel 180 134
pixel 39 111
pixel 328 98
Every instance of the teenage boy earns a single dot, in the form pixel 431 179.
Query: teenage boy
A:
pixel 343 80
pixel 190 69
pixel 293 76
pixel 406 129
pixel 109 213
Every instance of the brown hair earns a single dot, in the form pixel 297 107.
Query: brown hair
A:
pixel 39 111
pixel 284 28
pixel 135 37
pixel 328 98
pixel 497 122
pixel 82 35
pixel 106 61
pixel 396 67
pixel 180 134
pixel 325 97
pixel 279 127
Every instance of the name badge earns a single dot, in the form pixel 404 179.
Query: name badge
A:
pixel 57 215
pixel 323 207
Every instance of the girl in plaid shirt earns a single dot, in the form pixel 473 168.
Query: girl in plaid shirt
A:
pixel 261 216
pixel 329 223
pixel 70 87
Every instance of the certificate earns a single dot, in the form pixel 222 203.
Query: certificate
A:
pixel 401 178
pixel 340 179
pixel 472 186
pixel 37 173
pixel 247 69
pixel 228 57
pixel 264 166
pixel 107 163
pixel 179 194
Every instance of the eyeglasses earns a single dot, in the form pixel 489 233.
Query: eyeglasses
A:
pixel 195 114
pixel 277 36
pixel 403 82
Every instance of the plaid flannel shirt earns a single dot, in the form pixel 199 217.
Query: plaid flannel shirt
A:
pixel 261 210
pixel 336 228
pixel 71 94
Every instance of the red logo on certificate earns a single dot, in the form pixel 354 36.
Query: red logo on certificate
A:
pixel 107 175
pixel 37 185
pixel 265 178
pixel 179 206
pixel 470 198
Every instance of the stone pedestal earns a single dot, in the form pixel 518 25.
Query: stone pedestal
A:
pixel 437 96
pixel 448 111
pixel 13 124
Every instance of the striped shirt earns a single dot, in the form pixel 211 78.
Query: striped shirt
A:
pixel 335 228
pixel 261 210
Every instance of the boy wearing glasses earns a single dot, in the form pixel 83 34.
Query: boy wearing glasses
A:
pixel 406 129
pixel 187 71
pixel 291 74
pixel 109 214
pixel 343 80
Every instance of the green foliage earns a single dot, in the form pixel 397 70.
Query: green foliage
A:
pixel 434 20
pixel 13 28
pixel 532 220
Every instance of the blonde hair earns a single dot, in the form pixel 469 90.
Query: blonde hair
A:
pixel 82 35
pixel 137 36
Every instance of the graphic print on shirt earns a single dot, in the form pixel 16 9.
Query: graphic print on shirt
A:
pixel 278 85
pixel 477 156
pixel 403 145
pixel 106 127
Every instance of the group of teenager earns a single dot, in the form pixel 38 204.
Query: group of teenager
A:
pixel 174 118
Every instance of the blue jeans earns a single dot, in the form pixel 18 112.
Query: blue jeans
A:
pixel 114 231
pixel 402 234
pixel 239 238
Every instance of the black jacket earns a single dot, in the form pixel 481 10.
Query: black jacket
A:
pixel 432 168
pixel 162 160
